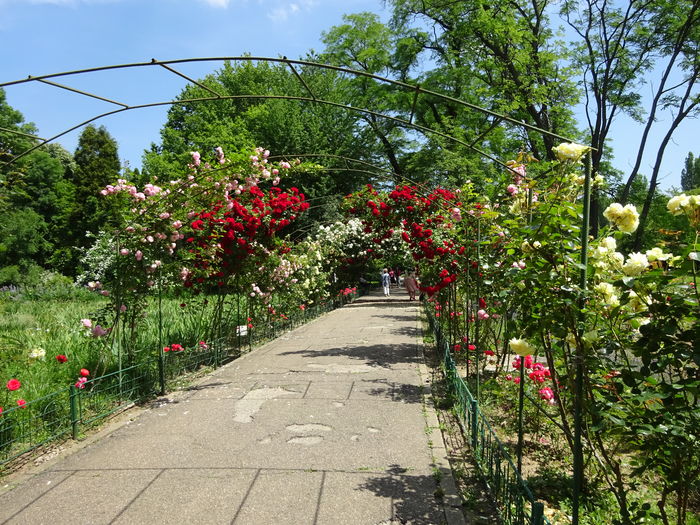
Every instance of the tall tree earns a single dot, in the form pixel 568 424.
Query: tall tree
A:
pixel 618 45
pixel 96 165
pixel 690 176
pixel 36 200
pixel 505 53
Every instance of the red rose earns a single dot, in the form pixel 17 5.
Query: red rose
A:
pixel 21 402
pixel 61 358
pixel 13 384
pixel 84 372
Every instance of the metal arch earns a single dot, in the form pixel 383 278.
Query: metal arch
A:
pixel 416 89
pixel 347 107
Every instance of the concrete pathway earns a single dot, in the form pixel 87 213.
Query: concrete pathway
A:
pixel 325 425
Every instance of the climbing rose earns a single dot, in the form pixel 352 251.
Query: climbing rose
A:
pixel 61 358
pixel 657 254
pixel 625 218
pixel 635 265
pixel 547 394
pixel 521 347
pixel 570 151
pixel 84 372
pixel 677 204
pixel 21 402
pixel 13 384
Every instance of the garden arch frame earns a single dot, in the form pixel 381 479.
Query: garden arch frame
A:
pixel 416 89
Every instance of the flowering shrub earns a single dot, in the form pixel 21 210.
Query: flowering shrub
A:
pixel 513 265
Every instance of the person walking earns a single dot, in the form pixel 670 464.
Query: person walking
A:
pixel 411 284
pixel 386 282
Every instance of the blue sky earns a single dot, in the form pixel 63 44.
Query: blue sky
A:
pixel 46 36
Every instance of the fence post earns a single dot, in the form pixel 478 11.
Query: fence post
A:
pixel 161 371
pixel 475 424
pixel 73 393
pixel 537 515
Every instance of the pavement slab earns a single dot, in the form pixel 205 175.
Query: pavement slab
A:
pixel 324 425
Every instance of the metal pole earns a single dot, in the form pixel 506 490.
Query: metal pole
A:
pixel 537 515
pixel 521 401
pixel 579 357
pixel 477 322
pixel 161 354
pixel 238 316
pixel 73 392
pixel 475 424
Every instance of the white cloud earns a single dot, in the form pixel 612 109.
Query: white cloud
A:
pixel 283 11
pixel 278 14
pixel 64 3
pixel 218 3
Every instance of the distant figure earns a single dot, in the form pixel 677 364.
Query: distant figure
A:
pixel 411 284
pixel 364 285
pixel 392 276
pixel 386 282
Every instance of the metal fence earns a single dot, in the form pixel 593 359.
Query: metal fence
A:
pixel 514 500
pixel 64 413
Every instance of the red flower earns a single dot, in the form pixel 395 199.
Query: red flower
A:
pixel 13 384
pixel 166 349
pixel 21 402
pixel 84 372
pixel 0 410
pixel 61 358
pixel 489 352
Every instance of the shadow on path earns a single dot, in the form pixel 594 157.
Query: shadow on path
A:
pixel 408 493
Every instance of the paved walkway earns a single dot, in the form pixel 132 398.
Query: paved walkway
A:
pixel 324 425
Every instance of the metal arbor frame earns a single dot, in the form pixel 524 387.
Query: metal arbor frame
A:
pixel 415 89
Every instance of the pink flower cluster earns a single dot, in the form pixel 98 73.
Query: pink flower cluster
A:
pixel 538 374
pixel 80 383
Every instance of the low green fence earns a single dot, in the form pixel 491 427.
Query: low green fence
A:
pixel 65 412
pixel 516 503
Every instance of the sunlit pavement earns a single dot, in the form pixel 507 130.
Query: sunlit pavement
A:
pixel 323 425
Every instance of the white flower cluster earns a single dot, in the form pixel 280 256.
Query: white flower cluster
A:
pixel 684 204
pixel 625 218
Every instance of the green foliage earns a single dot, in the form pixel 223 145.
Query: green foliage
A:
pixel 23 240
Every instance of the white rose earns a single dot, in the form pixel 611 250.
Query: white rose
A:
pixel 635 265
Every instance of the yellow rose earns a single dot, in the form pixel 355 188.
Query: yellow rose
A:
pixel 521 347
pixel 569 151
